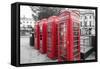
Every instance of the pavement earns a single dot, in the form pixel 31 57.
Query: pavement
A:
pixel 30 55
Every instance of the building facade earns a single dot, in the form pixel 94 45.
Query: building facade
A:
pixel 87 28
pixel 26 25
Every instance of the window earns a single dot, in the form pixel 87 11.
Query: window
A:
pixel 76 43
pixel 90 24
pixel 75 28
pixel 81 23
pixel 85 23
pixel 85 17
pixel 75 33
pixel 75 38
pixel 75 24
pixel 90 17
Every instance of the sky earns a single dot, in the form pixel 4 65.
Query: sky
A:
pixel 25 11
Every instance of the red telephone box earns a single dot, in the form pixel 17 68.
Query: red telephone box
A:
pixel 43 36
pixel 68 36
pixel 36 35
pixel 52 38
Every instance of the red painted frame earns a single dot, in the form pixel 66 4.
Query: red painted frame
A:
pixel 66 52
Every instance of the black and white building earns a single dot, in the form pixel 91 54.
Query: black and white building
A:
pixel 87 29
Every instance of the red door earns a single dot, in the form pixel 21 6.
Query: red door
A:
pixel 52 38
pixel 43 36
